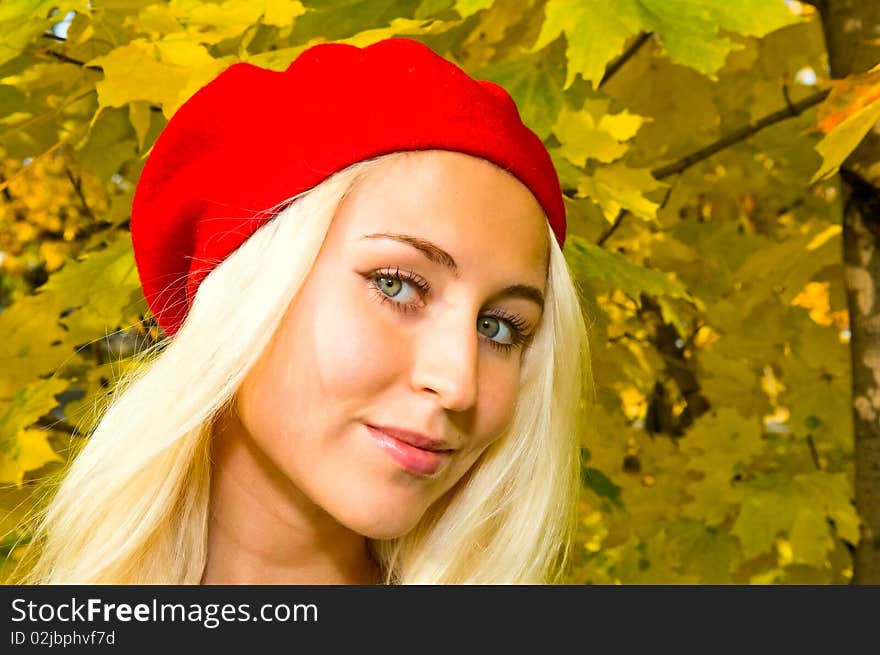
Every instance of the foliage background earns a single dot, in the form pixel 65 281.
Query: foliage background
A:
pixel 720 444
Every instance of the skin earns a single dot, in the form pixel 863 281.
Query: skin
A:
pixel 299 485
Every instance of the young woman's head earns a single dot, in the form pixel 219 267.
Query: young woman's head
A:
pixel 417 292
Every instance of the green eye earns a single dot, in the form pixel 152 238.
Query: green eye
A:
pixel 496 329
pixel 488 326
pixel 389 286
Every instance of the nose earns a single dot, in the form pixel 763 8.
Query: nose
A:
pixel 445 362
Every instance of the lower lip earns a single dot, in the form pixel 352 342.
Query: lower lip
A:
pixel 414 460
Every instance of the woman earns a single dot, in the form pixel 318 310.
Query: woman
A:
pixel 376 380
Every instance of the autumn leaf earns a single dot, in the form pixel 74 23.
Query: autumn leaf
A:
pixel 688 29
pixel 846 116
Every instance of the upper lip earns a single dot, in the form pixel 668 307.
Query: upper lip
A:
pixel 417 439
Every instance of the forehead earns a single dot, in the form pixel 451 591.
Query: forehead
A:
pixel 476 211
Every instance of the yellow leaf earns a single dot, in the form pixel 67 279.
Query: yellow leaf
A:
pixel 22 448
pixel 816 299
pixel 35 449
pixel 210 23
pixel 276 60
pixel 405 26
pixel 199 67
pixel 467 7
pixel 837 145
pixel 810 539
pixel 34 452
pixel 87 33
pixel 847 97
pixel 582 140
pixel 282 13
pixel 55 254
pixel 823 236
pixel 180 51
pixel 592 133
pixel 617 186
pixel 139 115
pixel 156 20
pixel 622 126
pixel 131 72
pixel 596 32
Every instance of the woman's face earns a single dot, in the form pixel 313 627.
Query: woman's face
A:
pixel 413 320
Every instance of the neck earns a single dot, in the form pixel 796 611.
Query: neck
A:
pixel 263 530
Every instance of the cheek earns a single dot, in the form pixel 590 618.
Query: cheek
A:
pixel 499 393
pixel 354 347
pixel 336 351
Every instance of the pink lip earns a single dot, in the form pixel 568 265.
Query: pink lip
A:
pixel 413 459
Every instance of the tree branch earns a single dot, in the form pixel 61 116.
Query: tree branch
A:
pixel 60 56
pixel 77 186
pixel 628 54
pixel 741 134
pixel 612 228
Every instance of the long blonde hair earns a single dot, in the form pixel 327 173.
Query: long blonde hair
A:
pixel 132 507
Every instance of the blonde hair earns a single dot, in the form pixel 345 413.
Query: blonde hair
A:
pixel 132 507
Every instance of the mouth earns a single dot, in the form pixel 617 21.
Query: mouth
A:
pixel 426 460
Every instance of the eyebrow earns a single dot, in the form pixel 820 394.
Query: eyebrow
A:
pixel 439 256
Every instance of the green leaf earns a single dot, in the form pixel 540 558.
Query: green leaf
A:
pixel 112 140
pixel 399 27
pixel 100 288
pixel 775 504
pixel 715 498
pixel 784 267
pixel 23 21
pixel 596 33
pixel 594 262
pixel 831 494
pixel 601 484
pixel 12 101
pixel 689 30
pixel 98 294
pixel 534 81
pixel 810 538
pixel 709 551
pixel 331 20
pixel 719 441
pixel 765 513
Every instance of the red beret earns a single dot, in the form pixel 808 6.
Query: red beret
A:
pixel 252 138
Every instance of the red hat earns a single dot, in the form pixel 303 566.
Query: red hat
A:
pixel 252 138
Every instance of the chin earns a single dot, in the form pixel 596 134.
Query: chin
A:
pixel 381 523
pixel 373 529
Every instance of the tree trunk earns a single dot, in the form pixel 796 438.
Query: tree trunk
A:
pixel 850 27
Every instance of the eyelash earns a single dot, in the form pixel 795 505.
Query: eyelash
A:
pixel 518 325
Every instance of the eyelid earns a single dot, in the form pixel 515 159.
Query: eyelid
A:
pixel 395 273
